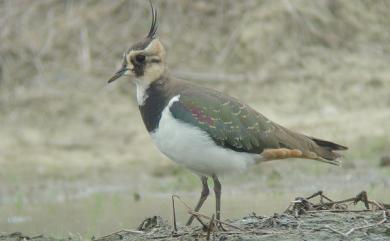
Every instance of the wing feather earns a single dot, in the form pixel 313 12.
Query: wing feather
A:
pixel 229 123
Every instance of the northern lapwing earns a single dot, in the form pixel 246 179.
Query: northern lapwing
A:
pixel 204 130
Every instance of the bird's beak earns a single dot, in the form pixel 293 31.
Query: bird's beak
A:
pixel 118 74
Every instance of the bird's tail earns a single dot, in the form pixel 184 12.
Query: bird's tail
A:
pixel 326 151
pixel 296 145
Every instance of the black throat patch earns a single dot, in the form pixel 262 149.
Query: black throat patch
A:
pixel 154 104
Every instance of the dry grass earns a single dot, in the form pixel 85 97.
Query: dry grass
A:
pixel 320 67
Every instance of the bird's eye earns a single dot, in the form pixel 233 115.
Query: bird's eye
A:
pixel 140 58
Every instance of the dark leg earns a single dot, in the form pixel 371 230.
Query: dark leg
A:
pixel 217 191
pixel 203 197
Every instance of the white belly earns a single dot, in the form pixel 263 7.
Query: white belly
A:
pixel 192 148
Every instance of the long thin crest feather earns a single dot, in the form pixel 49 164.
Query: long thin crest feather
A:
pixel 153 27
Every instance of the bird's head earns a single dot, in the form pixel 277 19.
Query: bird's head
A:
pixel 144 61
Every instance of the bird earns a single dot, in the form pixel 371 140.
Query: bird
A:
pixel 206 131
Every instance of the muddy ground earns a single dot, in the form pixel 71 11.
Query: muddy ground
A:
pixel 313 226
pixel 316 217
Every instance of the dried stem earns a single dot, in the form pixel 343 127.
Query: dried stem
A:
pixel 382 221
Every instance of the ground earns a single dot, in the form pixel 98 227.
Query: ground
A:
pixel 304 219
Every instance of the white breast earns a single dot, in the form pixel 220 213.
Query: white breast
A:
pixel 194 149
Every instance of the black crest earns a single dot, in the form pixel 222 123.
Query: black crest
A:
pixel 153 27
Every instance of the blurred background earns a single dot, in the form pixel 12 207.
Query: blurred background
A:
pixel 75 158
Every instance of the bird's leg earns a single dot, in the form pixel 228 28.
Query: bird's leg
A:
pixel 217 191
pixel 203 197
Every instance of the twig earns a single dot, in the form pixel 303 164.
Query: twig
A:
pixel 386 206
pixel 362 196
pixel 322 196
pixel 197 214
pixel 188 208
pixel 210 228
pixel 216 220
pixel 319 193
pixel 118 233
pixel 335 230
pixel 382 221
pixel 303 205
pixel 339 211
pixel 288 208
pixel 377 204
pixel 369 225
pixel 174 214
pixel 175 235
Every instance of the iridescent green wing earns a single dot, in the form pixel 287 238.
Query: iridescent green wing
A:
pixel 228 122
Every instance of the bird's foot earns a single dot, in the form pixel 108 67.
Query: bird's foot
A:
pixel 219 226
pixel 214 225
pixel 189 222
